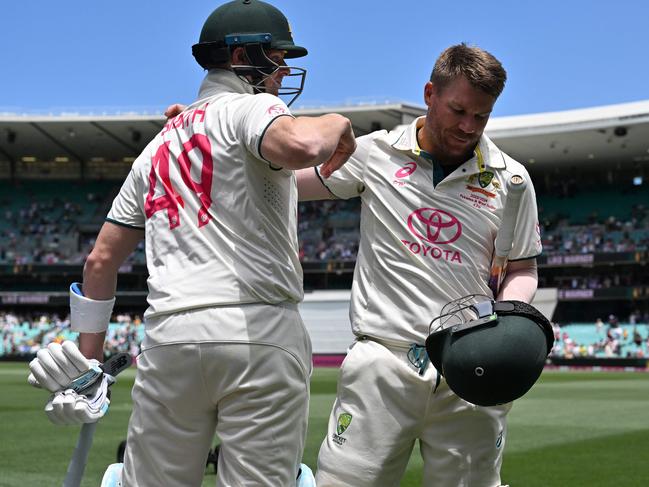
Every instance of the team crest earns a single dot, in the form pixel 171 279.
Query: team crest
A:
pixel 344 420
pixel 485 178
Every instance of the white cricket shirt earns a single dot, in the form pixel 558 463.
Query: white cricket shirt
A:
pixel 424 245
pixel 219 220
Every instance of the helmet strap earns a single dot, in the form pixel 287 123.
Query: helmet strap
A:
pixel 520 308
pixel 259 67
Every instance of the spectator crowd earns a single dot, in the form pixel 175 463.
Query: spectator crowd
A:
pixel 24 334
pixel 47 231
pixel 604 340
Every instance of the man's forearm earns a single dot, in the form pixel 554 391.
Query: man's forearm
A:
pixel 519 284
pixel 91 345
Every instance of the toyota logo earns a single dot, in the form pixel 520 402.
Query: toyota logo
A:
pixel 434 226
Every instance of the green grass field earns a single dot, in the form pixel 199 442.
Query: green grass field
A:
pixel 573 429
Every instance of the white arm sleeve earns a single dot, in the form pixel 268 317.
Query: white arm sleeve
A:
pixel 88 315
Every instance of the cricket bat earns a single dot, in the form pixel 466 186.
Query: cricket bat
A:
pixel 505 235
pixel 113 366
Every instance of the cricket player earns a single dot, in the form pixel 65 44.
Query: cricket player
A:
pixel 214 196
pixel 432 200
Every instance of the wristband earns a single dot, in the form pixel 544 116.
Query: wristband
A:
pixel 88 315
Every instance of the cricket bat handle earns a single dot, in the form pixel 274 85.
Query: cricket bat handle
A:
pixel 505 236
pixel 79 459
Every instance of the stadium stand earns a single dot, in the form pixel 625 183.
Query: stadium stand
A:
pixel 593 206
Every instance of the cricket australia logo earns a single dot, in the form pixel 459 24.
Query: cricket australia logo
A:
pixel 344 420
pixel 485 178
pixel 499 440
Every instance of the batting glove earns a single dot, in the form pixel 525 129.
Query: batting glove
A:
pixel 70 407
pixel 56 365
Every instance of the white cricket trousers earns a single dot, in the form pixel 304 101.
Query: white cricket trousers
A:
pixel 253 395
pixel 384 405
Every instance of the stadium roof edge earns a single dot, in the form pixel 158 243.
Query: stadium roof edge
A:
pixel 606 115
pixel 570 120
pixel 417 109
pixel 26 117
pixel 613 133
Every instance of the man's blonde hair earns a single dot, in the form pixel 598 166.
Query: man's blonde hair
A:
pixel 480 68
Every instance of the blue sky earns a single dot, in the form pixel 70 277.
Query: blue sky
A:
pixel 93 57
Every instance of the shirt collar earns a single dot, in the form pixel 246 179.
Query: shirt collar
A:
pixel 485 155
pixel 219 81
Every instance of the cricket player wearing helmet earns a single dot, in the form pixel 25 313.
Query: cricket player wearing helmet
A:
pixel 214 196
pixel 432 201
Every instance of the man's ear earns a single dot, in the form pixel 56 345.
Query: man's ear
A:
pixel 238 56
pixel 429 93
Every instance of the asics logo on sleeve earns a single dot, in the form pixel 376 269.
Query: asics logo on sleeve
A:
pixel 277 110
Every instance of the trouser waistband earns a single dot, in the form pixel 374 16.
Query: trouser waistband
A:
pixel 416 354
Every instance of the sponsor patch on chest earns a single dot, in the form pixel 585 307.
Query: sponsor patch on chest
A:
pixel 434 230
pixel 478 197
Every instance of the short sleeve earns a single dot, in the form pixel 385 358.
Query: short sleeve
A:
pixel 127 209
pixel 253 117
pixel 349 181
pixel 527 236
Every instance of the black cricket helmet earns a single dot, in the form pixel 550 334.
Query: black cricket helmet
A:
pixel 489 352
pixel 257 27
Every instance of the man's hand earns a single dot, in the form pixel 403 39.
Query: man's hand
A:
pixel 56 365
pixel 346 147
pixel 173 110
pixel 69 407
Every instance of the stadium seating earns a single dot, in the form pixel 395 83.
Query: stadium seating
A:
pixel 42 219
pixel 56 221
pixel 588 339
pixel 24 335
pixel 587 207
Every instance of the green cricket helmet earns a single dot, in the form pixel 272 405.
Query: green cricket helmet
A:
pixel 489 352
pixel 257 27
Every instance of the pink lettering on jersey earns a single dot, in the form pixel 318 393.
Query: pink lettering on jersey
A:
pixel 434 225
pixel 478 201
pixel 433 252
pixel 203 188
pixel 184 119
pixel 170 200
